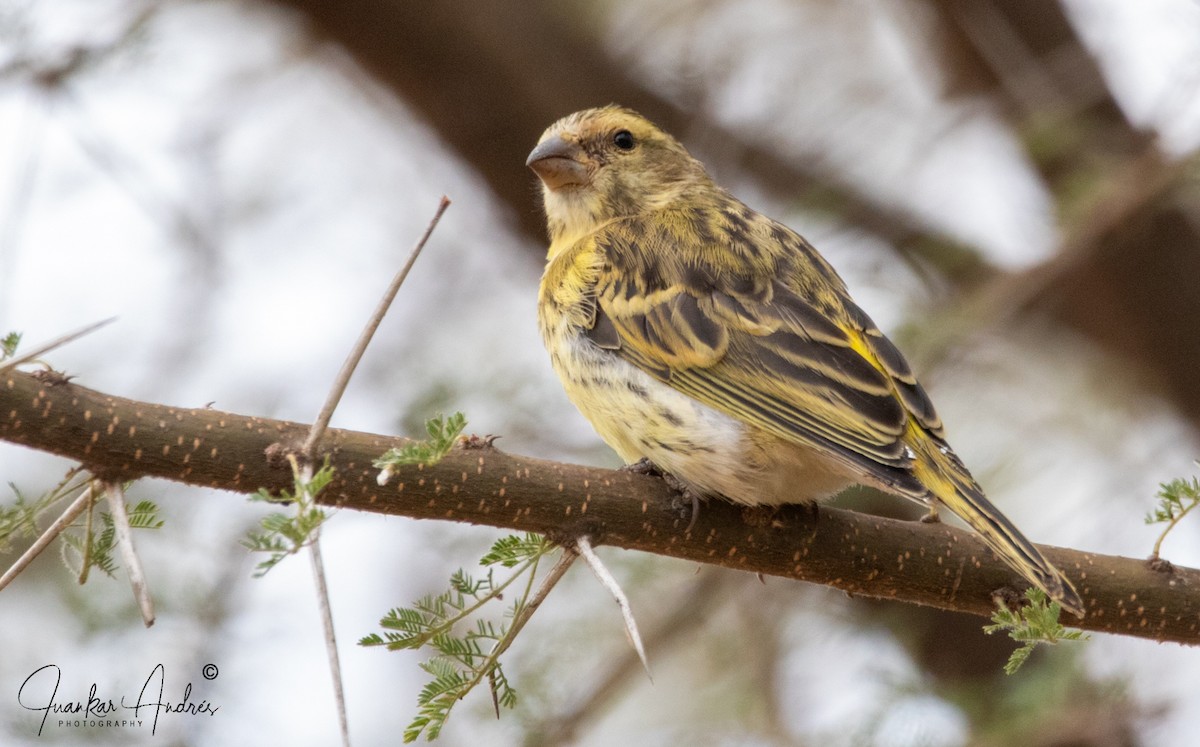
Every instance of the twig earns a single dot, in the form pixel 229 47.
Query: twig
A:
pixel 584 546
pixel 304 498
pixel 114 493
pixel 1154 554
pixel 526 612
pixel 62 522
pixel 364 339
pixel 531 605
pixel 335 664
pixel 56 343
pixel 89 537
pixel 314 437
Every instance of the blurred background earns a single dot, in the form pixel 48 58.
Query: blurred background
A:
pixel 1010 188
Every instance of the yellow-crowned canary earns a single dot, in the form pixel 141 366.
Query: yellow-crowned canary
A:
pixel 718 345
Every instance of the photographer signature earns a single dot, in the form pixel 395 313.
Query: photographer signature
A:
pixel 39 692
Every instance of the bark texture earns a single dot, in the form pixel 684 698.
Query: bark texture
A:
pixel 928 564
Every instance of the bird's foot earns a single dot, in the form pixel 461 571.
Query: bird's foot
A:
pixel 644 466
pixel 761 515
pixel 684 495
pixel 932 516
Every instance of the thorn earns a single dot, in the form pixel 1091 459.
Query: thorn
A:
pixel 50 377
pixel 477 442
pixel 583 546
pixel 62 522
pixel 114 493
pixel 491 675
pixel 385 474
pixel 342 380
pixel 43 349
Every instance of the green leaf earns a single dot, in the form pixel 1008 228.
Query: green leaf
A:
pixel 20 519
pixel 283 534
pixel 144 516
pixel 443 434
pixel 463 583
pixel 1031 624
pixel 8 345
pixel 512 550
pixel 1175 500
pixel 1018 658
pixel 466 645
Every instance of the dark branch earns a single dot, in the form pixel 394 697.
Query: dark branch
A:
pixel 929 564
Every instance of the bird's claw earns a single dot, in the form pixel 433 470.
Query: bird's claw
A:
pixel 644 466
pixel 684 494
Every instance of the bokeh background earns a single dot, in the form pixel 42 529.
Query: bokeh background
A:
pixel 1010 188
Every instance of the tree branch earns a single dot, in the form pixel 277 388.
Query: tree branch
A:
pixel 929 564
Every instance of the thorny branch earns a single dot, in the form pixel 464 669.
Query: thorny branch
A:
pixel 930 564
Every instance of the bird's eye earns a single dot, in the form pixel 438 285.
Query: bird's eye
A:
pixel 623 140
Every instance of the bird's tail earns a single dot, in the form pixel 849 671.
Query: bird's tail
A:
pixel 949 482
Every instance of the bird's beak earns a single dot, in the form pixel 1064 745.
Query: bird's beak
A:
pixel 558 164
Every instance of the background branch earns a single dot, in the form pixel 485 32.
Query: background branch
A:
pixel 930 564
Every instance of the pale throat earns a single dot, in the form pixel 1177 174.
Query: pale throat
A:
pixel 571 216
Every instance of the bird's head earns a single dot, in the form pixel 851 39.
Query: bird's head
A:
pixel 601 164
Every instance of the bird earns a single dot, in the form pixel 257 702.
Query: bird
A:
pixel 715 345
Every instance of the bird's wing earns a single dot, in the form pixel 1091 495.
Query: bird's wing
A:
pixel 757 341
